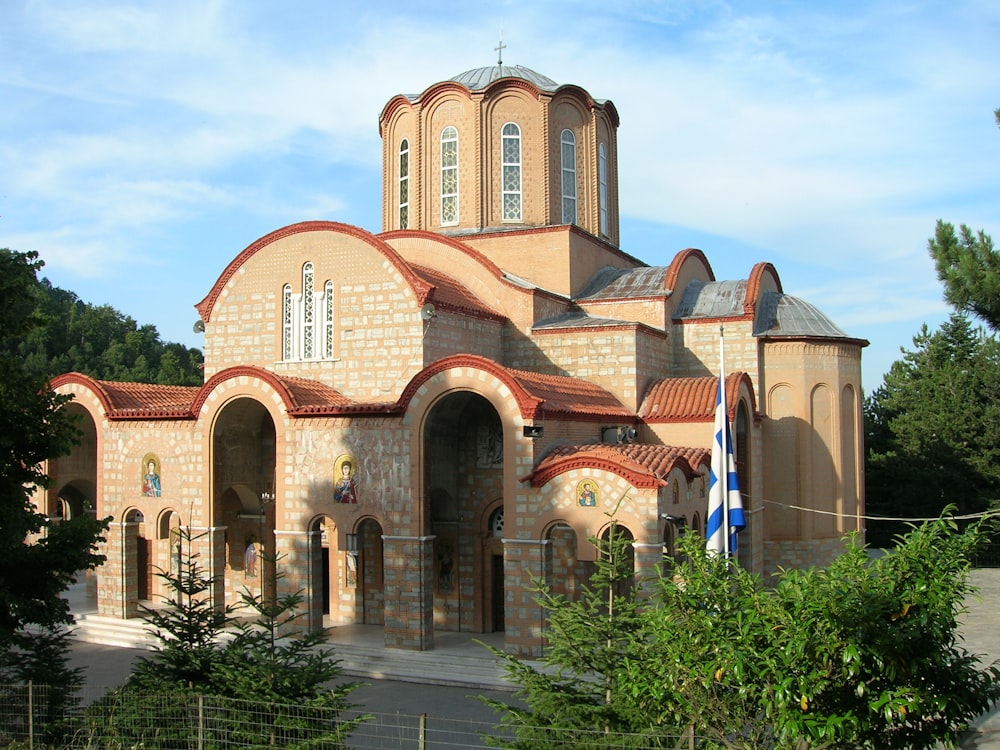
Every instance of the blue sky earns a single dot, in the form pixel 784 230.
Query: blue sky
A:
pixel 143 145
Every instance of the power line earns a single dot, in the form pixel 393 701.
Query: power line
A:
pixel 965 517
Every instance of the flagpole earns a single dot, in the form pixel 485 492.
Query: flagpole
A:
pixel 725 447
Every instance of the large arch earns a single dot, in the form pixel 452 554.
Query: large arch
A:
pixel 463 470
pixel 244 499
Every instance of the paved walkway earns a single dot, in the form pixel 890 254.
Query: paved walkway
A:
pixel 981 631
pixel 441 683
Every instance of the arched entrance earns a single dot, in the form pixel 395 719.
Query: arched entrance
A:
pixel 369 571
pixel 244 493
pixel 463 477
pixel 494 583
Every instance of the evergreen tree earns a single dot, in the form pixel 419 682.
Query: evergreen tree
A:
pixel 97 340
pixel 969 267
pixel 188 627
pixel 583 692
pixel 283 684
pixel 933 428
pixel 266 690
pixel 39 559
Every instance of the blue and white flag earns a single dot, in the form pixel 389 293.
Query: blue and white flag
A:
pixel 723 487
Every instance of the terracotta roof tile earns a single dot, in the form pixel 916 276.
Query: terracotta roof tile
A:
pixel 688 399
pixel 559 394
pixel 680 400
pixel 451 294
pixel 147 401
pixel 642 464
pixel 306 393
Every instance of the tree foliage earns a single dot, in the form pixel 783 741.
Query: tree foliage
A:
pixel 70 335
pixel 933 428
pixel 585 694
pixel 969 267
pixel 39 559
pixel 864 653
pixel 284 684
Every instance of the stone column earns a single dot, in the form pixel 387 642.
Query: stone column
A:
pixel 210 546
pixel 299 557
pixel 118 587
pixel 524 619
pixel 409 591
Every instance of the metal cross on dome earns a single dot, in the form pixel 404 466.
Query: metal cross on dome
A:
pixel 499 50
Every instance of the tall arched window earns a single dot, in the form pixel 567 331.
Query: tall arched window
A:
pixel 404 184
pixel 328 320
pixel 307 319
pixel 449 176
pixel 568 152
pixel 308 312
pixel 602 177
pixel 287 328
pixel 510 148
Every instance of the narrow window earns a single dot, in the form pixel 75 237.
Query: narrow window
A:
pixel 308 313
pixel 404 184
pixel 449 176
pixel 328 320
pixel 510 147
pixel 568 151
pixel 602 176
pixel 287 350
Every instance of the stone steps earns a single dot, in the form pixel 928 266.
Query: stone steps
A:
pixel 471 665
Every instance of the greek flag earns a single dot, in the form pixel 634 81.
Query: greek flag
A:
pixel 723 486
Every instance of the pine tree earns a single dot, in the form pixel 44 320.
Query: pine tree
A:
pixel 581 693
pixel 933 428
pixel 969 267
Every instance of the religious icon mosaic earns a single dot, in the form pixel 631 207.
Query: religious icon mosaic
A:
pixel 151 475
pixel 344 487
pixel 586 493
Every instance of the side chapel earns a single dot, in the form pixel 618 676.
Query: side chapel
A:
pixel 419 422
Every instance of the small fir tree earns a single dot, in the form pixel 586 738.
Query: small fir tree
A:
pixel 579 696
pixel 266 690
pixel 188 626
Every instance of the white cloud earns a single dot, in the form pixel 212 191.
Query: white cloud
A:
pixel 831 137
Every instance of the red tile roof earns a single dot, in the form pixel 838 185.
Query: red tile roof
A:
pixel 690 399
pixel 565 396
pixel 645 466
pixel 537 395
pixel 146 401
pixel 449 294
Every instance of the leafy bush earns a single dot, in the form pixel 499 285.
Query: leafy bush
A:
pixel 862 654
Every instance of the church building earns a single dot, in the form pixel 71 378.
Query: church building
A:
pixel 417 424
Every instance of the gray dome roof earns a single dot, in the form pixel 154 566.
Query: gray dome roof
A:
pixel 778 314
pixel 479 78
pixel 784 315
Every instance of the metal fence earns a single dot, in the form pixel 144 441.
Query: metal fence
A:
pixel 36 718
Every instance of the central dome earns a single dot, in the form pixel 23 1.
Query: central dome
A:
pixel 479 78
